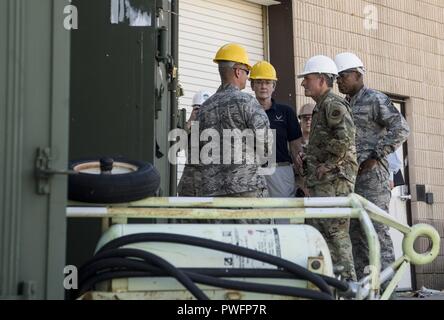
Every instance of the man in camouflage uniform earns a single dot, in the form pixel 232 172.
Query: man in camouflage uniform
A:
pixel 191 179
pixel 331 165
pixel 380 130
pixel 229 109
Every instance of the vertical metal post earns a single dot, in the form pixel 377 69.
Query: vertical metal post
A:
pixel 373 246
pixel 392 285
pixel 174 81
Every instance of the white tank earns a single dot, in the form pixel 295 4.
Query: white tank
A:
pixel 296 243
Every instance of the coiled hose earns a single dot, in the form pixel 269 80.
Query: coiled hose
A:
pixel 111 262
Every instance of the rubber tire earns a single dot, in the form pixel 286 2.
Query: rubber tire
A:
pixel 121 188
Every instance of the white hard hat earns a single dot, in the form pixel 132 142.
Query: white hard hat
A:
pixel 319 64
pixel 200 97
pixel 347 60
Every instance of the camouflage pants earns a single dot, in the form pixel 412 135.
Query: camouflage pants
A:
pixel 336 231
pixel 374 186
pixel 189 182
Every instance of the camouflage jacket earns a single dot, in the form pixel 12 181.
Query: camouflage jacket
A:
pixel 190 181
pixel 231 109
pixel 332 141
pixel 380 127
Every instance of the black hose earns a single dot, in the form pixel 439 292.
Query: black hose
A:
pixel 166 266
pixel 179 275
pixel 260 288
pixel 222 283
pixel 89 282
pixel 93 266
pixel 121 253
pixel 118 263
pixel 338 284
pixel 105 276
pixel 299 271
pixel 262 273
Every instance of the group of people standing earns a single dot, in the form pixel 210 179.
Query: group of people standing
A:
pixel 339 147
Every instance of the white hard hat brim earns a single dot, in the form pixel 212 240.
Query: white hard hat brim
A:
pixel 301 75
pixel 361 70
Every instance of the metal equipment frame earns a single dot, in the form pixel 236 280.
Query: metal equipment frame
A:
pixel 295 209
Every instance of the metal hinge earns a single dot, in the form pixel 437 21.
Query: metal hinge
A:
pixel 43 171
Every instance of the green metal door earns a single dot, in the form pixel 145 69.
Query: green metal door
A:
pixel 122 89
pixel 34 95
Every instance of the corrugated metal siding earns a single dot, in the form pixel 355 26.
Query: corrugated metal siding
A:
pixel 204 26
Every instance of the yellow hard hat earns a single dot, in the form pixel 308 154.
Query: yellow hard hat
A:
pixel 263 70
pixel 233 52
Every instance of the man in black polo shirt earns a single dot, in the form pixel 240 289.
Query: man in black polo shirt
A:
pixel 288 132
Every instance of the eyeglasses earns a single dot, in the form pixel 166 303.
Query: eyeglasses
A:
pixel 305 118
pixel 246 70
pixel 265 82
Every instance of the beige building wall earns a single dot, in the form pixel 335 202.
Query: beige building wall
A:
pixel 402 44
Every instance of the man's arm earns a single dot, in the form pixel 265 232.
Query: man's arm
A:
pixel 294 136
pixel 298 165
pixel 397 128
pixel 295 150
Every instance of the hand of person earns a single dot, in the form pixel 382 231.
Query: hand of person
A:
pixel 302 192
pixel 321 170
pixel 193 117
pixel 307 193
pixel 301 156
pixel 298 165
pixel 299 161
pixel 391 184
pixel 367 165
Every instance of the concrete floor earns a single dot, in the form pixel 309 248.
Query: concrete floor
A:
pixel 423 294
